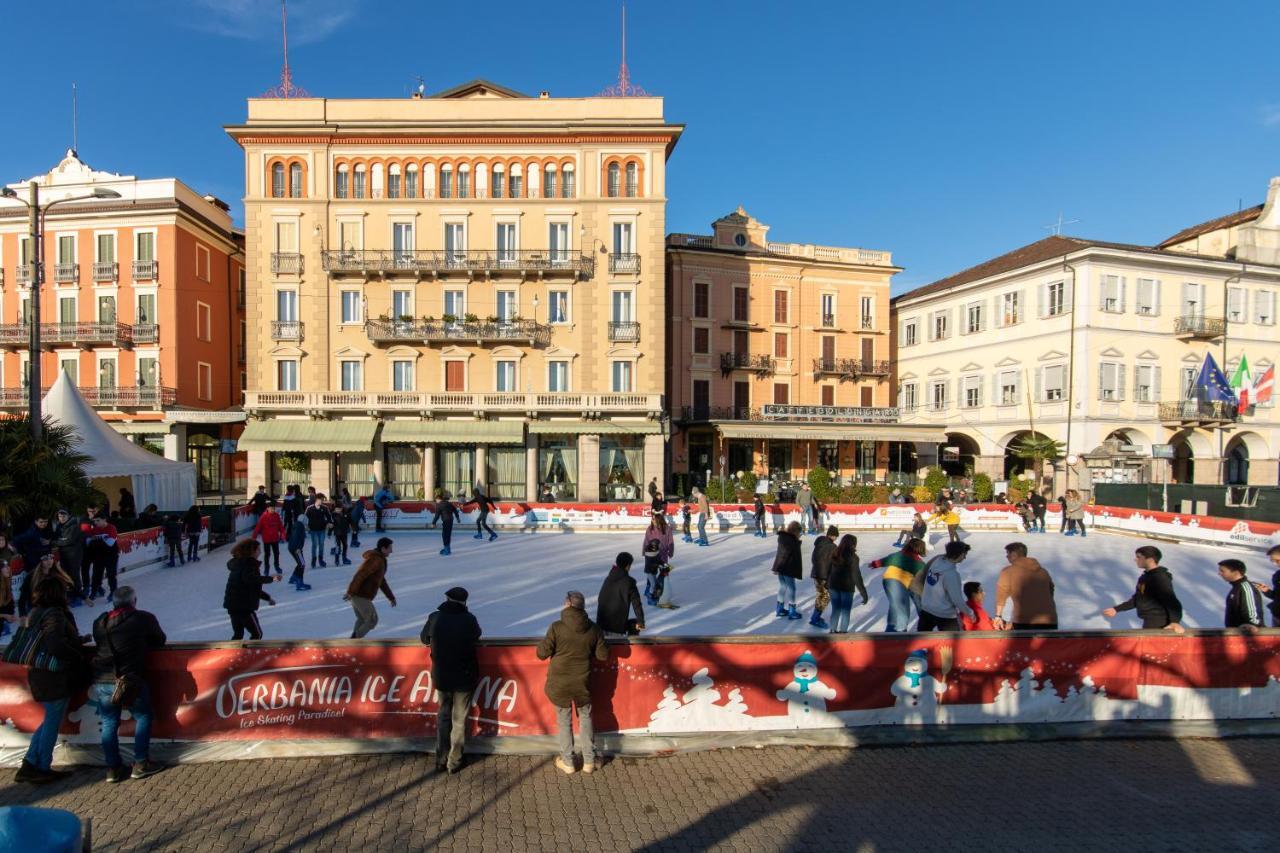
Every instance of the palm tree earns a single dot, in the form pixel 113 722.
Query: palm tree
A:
pixel 1036 449
pixel 39 477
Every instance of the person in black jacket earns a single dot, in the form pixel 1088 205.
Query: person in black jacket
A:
pixel 618 596
pixel 446 510
pixel 452 632
pixel 318 520
pixel 51 678
pixel 820 570
pixel 123 637
pixel 1244 601
pixel 245 583
pixel 341 533
pixel 845 579
pixel 1270 591
pixel 68 540
pixel 1157 604
pixel 484 503
pixel 1038 507
pixel 788 565
pixel 758 515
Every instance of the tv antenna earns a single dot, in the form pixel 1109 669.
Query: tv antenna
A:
pixel 1056 228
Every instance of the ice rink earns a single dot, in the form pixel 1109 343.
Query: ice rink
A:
pixel 517 583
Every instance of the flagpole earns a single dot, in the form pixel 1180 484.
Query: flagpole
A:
pixel 1226 328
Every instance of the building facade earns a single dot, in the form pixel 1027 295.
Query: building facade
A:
pixel 456 288
pixel 142 306
pixel 1100 346
pixel 781 356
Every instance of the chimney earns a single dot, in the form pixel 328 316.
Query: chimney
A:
pixel 544 94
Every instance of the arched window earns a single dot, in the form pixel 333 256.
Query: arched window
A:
pixel 497 181
pixel 464 180
pixel 342 182
pixel 277 180
pixel 516 182
pixel 549 181
pixel 566 181
pixel 615 180
pixel 393 181
pixel 295 180
pixel 633 174
pixel 411 181
pixel 446 181
pixel 358 188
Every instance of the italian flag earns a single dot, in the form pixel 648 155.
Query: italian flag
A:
pixel 1241 382
pixel 1264 386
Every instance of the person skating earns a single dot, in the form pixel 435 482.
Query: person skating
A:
pixel 51 682
pixel 704 515
pixel 1026 584
pixel 452 632
pixel 570 644
pixel 356 515
pixel 846 578
pixel 341 531
pixel 950 516
pixel 312 498
pixel 658 548
pixel 173 540
pixel 289 506
pixel 123 637
pixel 297 543
pixel 900 569
pixel 368 580
pixel 618 597
pixel 942 601
pixel 788 565
pixel 318 520
pixel 824 548
pixel 381 500
pixel 686 519
pixel 103 552
pixel 1244 601
pixel 68 541
pixel 1154 599
pixel 758 513
pixel 1273 554
pixel 244 590
pixel 653 488
pixel 192 528
pixel 1074 510
pixel 258 503
pixel 804 500
pixel 483 504
pixel 271 531
pixel 1039 505
pixel 919 530
pixel 447 513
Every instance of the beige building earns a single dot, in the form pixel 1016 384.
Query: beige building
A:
pixel 456 288
pixel 783 357
pixel 1100 345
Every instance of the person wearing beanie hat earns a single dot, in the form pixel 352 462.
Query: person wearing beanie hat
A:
pixel 452 632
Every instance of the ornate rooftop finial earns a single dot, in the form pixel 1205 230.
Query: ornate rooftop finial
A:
pixel 624 88
pixel 286 89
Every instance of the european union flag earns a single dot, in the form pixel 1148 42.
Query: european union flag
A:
pixel 1212 386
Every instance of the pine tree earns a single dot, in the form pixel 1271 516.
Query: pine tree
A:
pixel 703 689
pixel 735 705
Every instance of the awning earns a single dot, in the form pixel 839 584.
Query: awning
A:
pixel 149 428
pixel 594 428
pixel 453 432
pixel 309 436
pixel 832 432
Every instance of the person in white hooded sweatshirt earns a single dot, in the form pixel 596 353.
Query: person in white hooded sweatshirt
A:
pixel 942 600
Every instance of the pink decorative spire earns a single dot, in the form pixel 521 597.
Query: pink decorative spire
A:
pixel 286 89
pixel 624 89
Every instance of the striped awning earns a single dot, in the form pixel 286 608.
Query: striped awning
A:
pixel 309 436
pixel 567 427
pixel 141 428
pixel 453 432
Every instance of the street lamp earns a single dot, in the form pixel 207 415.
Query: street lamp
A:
pixel 37 236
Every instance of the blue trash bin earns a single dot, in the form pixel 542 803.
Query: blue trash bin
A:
pixel 34 830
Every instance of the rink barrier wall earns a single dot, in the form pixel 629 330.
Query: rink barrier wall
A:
pixel 224 701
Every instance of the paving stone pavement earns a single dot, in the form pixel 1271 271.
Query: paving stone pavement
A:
pixel 1167 795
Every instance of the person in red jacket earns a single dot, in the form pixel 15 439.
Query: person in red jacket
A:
pixel 270 529
pixel 973 596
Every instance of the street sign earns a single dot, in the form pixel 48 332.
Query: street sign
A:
pixel 228 446
pixel 1162 451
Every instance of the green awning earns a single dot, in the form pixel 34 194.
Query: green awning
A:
pixel 140 428
pixel 309 436
pixel 594 427
pixel 453 432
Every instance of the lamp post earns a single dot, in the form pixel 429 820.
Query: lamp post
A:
pixel 37 235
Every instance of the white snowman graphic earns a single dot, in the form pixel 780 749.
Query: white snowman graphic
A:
pixel 806 696
pixel 916 689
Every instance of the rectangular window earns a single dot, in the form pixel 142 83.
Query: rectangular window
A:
pixel 558 306
pixel 781 394
pixel 204 322
pixel 287 375
pixel 939 325
pixel 908 396
pixel 973 318
pixel 71 367
pixel 342 184
pixel 106 309
pixel 350 236
pixel 701 299
pixel 107 377
pixel 351 303
pixel 1146 383
pixel 701 340
pixel 402 242
pixel 146 308
pixel 938 395
pixel 1009 395
pixel 780 312
pixel 622 242
pixel 67 309
pixel 1264 307
pixel 1110 381
pixel 359 184
pixel 504 376
pixel 287 306
pixel 1237 304
pixel 464 183
pixel 148 371
pixel 558 242
pixel 828 396
pixel 455 242
pixel 507 242
pixel 286 237
pixel 557 376
pixel 621 306
pixel 506 304
pixel 455 303
pixel 106 248
pixel 622 377
pixel 1055 382
pixel 1011 308
pixel 203 265
pixel 401 303
pixel 1187 387
pixel 1192 299
pixel 455 375
pixel 1112 299
pixel 741 304
pixel 393 185
pixel 352 375
pixel 701 398
pixel 1055 293
pixel 1148 297
pixel 910 333
pixel 204 381
pixel 868 313
pixel 829 310
pixel 66 250
pixel 145 243
pixel 780 344
pixel 402 373
pixel 972 392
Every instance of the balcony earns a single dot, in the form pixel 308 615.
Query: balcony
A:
pixel 477 332
pixel 1198 413
pixel 719 413
pixel 850 368
pixel 286 263
pixel 146 333
pixel 16 336
pixel 759 363
pixel 867 324
pixel 624 262
pixel 624 332
pixel 428 403
pixel 146 270
pixel 150 398
pixel 24 275
pixel 828 321
pixel 106 271
pixel 66 272
pixel 286 330
pixel 1198 328
pixel 533 263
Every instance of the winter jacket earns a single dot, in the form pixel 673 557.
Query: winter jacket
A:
pixel 318 517
pixel 297 535
pixel 258 503
pixel 133 633
pixel 371 577
pixel 1244 605
pixel 1154 599
pixel 244 585
pixel 666 544
pixel 270 528
pixel 1038 503
pixel 341 524
pixel 899 566
pixel 33 543
pixel 1274 595
pixel 943 594
pixel 382 498
pixel 447 510
pixel 704 504
pixel 1075 509
pixel 172 531
pixel 846 576
pixel 571 642
pixel 452 632
pixel 980 621
pixel 804 499
pixel 99 539
pixel 758 508
pixel 820 561
pixel 62 641
pixel 357 511
pixel 788 562
pixel 69 539
pixel 618 597
pixel 192 525
pixel 1031 589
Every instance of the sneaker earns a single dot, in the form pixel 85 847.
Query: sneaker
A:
pixel 567 769
pixel 588 768
pixel 117 774
pixel 28 772
pixel 143 769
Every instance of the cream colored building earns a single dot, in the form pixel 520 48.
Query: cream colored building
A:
pixel 457 288
pixel 1086 341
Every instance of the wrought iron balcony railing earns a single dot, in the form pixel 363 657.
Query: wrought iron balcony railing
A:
pixel 850 367
pixel 146 333
pixel 463 402
pixel 624 332
pixel 146 270
pixel 108 333
pixel 286 330
pixel 460 331
pixel 828 321
pixel 1196 326
pixel 66 272
pixel 758 362
pixel 106 271
pixel 115 397
pixel 624 262
pixel 1198 412
pixel 286 263
pixel 427 262
pixel 719 413
pixel 24 275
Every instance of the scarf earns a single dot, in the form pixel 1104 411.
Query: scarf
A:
pixel 914 678
pixel 804 683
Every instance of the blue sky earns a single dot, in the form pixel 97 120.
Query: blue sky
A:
pixel 947 133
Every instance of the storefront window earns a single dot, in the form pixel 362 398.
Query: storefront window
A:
pixel 621 467
pixel 404 471
pixel 902 460
pixel 558 467
pixel 204 452
pixel 740 457
pixel 505 474
pixel 780 461
pixel 281 478
pixel 455 470
pixel 355 473
pixel 865 457
pixel 829 455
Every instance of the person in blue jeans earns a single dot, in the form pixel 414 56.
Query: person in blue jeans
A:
pixel 318 520
pixel 900 569
pixel 123 636
pixel 50 677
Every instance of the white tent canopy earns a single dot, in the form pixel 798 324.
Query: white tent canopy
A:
pixel 155 480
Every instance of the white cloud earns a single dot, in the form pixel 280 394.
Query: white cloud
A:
pixel 1270 115
pixel 309 20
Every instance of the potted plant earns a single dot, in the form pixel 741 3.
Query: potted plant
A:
pixel 449 319
pixel 471 318
pixel 492 318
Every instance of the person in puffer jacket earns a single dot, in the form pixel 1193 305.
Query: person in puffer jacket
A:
pixel 245 591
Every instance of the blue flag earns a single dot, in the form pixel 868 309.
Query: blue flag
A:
pixel 1212 386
